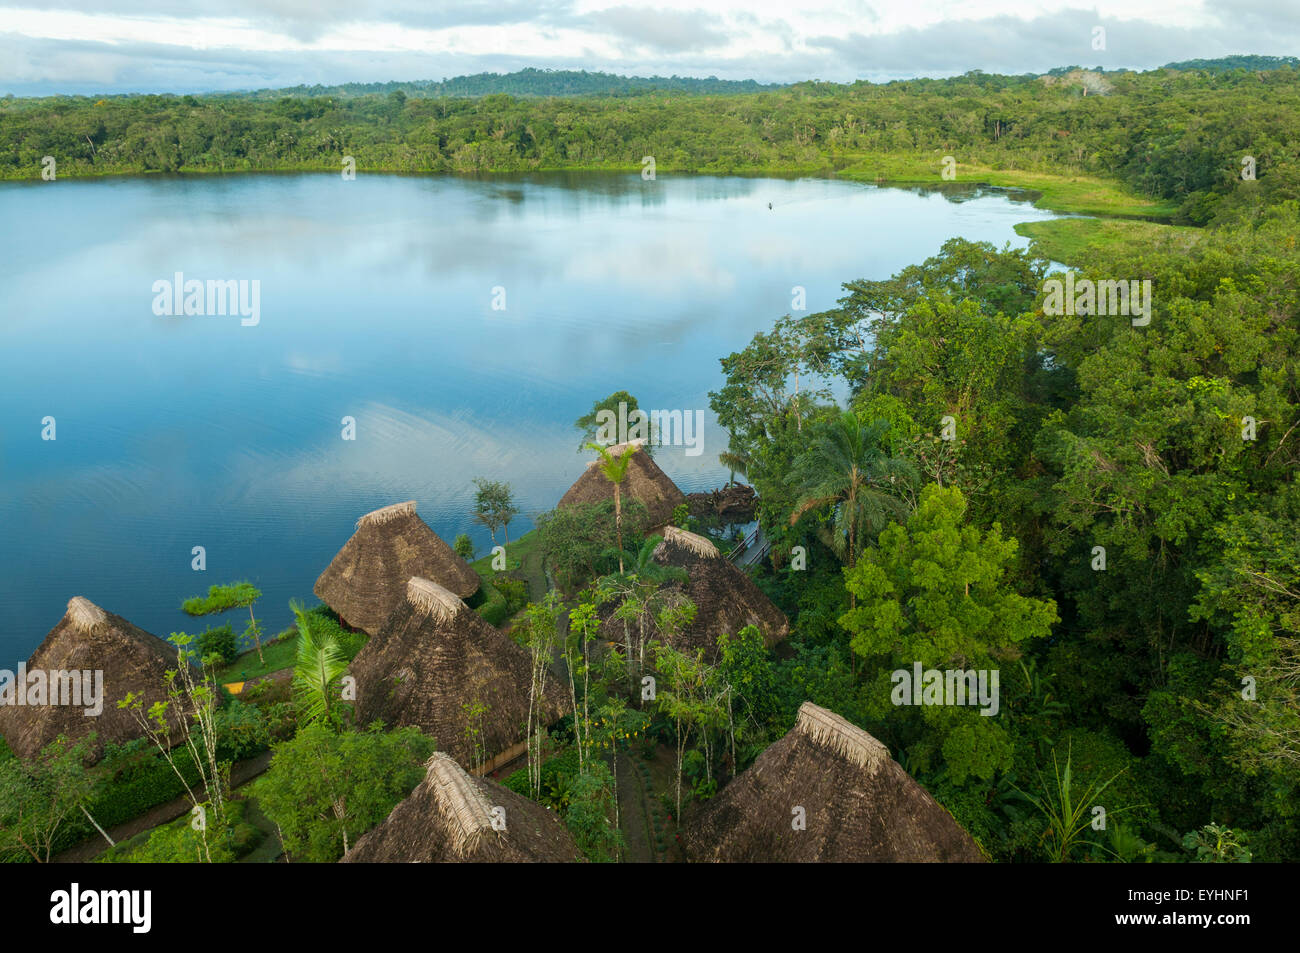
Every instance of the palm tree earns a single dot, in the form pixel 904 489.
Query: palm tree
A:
pixel 615 470
pixel 736 462
pixel 845 468
pixel 320 663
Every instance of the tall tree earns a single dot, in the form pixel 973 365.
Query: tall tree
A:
pixel 939 592
pixel 847 471
pixel 494 506
pixel 614 467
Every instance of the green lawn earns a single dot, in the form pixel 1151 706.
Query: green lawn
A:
pixel 278 654
pixel 523 556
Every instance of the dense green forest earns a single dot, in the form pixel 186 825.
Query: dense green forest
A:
pixel 1179 137
pixel 1113 525
pixel 1102 510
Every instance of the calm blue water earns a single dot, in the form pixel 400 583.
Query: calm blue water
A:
pixel 375 303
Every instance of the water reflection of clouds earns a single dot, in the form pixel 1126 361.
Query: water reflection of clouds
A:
pixel 430 455
pixel 657 266
pixel 375 303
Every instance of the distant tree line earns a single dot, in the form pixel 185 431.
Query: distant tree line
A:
pixel 1180 136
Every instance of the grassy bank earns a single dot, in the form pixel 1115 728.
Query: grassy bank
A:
pixel 1070 194
pixel 1074 241
pixel 276 655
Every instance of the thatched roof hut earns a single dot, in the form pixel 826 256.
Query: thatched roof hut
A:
pixel 367 578
pixel 87 640
pixel 432 659
pixel 448 819
pixel 644 482
pixel 859 805
pixel 726 599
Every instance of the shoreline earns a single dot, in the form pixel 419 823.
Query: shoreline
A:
pixel 1064 194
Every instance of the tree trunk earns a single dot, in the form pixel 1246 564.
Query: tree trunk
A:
pixel 111 842
pixel 618 525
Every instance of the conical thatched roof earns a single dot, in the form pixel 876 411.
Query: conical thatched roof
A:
pixel 448 819
pixel 433 657
pixel 644 482
pixel 88 639
pixel 726 600
pixel 859 805
pixel 368 576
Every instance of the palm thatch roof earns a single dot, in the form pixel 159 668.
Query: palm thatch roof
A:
pixel 88 639
pixel 726 599
pixel 432 659
pixel 859 805
pixel 448 819
pixel 644 482
pixel 367 578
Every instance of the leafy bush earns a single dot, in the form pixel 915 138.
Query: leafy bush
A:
pixel 557 778
pixel 326 789
pixel 221 642
pixel 580 542
pixel 590 817
pixel 513 591
pixel 242 731
pixel 179 843
pixel 495 611
pixel 464 547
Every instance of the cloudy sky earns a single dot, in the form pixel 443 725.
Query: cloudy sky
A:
pixel 87 46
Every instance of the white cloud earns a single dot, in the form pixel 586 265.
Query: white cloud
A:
pixel 161 45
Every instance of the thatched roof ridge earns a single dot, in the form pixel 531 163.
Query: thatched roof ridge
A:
pixel 617 450
pixel 645 482
pixel 369 575
pixel 386 513
pixel 726 599
pixel 690 541
pixel 87 639
pixel 856 804
pixel 84 615
pixel 843 737
pixel 432 599
pixel 466 810
pixel 433 659
pixel 448 818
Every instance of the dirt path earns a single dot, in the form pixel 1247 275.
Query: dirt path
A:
pixel 240 773
pixel 634 814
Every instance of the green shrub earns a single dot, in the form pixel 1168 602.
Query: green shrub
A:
pixel 557 777
pixel 464 547
pixel 513 591
pixel 179 843
pixel 590 817
pixel 242 731
pixel 365 772
pixel 495 611
pixel 221 642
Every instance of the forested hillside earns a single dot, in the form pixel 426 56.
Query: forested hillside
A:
pixel 1175 136
pixel 1103 511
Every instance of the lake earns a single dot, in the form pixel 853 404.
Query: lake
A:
pixel 375 302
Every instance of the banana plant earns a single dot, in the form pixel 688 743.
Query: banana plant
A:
pixel 319 666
